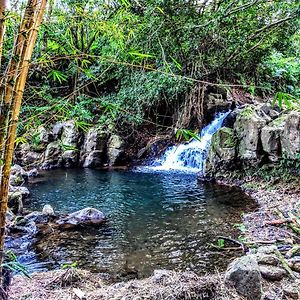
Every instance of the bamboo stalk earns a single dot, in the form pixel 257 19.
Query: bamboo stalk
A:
pixel 8 80
pixel 2 26
pixel 16 102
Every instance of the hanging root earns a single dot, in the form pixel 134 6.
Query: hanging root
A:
pixel 191 113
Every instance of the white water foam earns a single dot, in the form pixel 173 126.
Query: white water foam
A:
pixel 189 157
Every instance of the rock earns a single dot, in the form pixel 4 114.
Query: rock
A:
pixel 48 210
pixel 33 173
pixel 16 180
pixel 217 99
pixel 52 156
pixel 15 202
pixel 268 259
pixel 244 274
pixel 21 189
pixel 115 151
pixel 294 264
pixel 84 217
pixel 290 138
pixel 30 158
pixel 248 127
pixel 271 138
pixel 93 151
pixel 272 272
pixel 268 250
pixel 18 171
pixel 23 225
pixel 37 217
pixel 292 291
pixel 222 151
pixel 160 275
pixel 70 140
pixel 57 130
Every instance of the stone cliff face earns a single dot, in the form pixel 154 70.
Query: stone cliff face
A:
pixel 64 145
pixel 259 135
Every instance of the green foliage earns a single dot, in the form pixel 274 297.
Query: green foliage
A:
pixel 130 61
pixel 186 134
pixel 12 264
pixel 284 100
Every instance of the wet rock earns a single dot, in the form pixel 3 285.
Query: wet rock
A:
pixel 268 250
pixel 15 202
pixel 93 150
pixel 248 129
pixel 222 152
pixel 18 171
pixel 26 226
pixel 37 217
pixel 48 210
pixel 272 272
pixel 244 274
pixel 21 189
pixel 291 136
pixel 16 180
pixel 53 156
pixel 115 150
pixel 217 99
pixel 33 173
pixel 85 217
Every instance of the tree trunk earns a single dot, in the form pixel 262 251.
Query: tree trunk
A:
pixel 14 111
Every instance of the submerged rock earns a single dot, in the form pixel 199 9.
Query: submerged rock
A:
pixel 85 217
pixel 244 274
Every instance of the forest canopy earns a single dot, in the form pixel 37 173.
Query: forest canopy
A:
pixel 106 61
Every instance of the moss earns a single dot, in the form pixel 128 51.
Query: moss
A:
pixel 247 112
pixel 224 138
pixel 279 121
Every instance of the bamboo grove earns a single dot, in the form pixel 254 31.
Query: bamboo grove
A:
pixel 12 88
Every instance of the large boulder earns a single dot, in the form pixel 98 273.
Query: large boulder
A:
pixel 93 150
pixel 222 151
pixel 290 137
pixel 15 202
pixel 53 155
pixel 69 141
pixel 244 275
pixel 27 157
pixel 248 127
pixel 85 217
pixel 271 138
pixel 217 99
pixel 115 150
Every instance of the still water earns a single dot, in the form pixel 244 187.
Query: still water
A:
pixel 155 221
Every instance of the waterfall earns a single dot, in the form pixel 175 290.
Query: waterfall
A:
pixel 191 156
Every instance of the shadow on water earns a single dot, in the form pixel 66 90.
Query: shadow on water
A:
pixel 158 220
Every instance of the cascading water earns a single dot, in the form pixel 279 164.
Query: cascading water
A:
pixel 190 157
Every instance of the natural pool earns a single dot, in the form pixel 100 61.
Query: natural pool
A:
pixel 155 221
